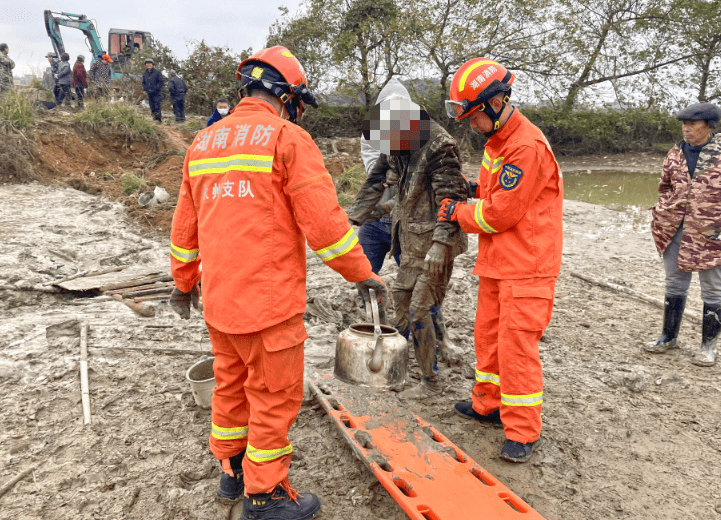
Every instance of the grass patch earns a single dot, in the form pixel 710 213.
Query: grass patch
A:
pixel 16 158
pixel 193 125
pixel 348 183
pixel 15 110
pixel 131 183
pixel 121 114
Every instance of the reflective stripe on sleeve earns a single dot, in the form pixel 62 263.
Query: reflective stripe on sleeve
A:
pixel 227 434
pixel 486 161
pixel 522 400
pixel 240 162
pixel 497 165
pixel 487 377
pixel 478 216
pixel 184 255
pixel 257 455
pixel 340 248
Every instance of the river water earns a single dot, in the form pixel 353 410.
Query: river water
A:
pixel 612 188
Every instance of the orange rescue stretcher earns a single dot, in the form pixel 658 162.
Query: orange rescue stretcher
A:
pixel 429 476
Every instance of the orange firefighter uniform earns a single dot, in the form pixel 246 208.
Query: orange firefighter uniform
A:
pixel 254 190
pixel 519 222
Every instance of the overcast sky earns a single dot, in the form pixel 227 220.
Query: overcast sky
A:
pixel 237 24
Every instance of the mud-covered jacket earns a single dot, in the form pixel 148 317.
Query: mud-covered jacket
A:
pixel 65 74
pixel 695 202
pixel 420 193
pixel 153 81
pixel 6 71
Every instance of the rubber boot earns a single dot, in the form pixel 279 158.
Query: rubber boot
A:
pixel 232 487
pixel 710 328
pixel 513 451
pixel 447 350
pixel 283 503
pixel 672 314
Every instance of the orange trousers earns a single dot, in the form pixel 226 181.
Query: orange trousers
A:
pixel 258 393
pixel 510 320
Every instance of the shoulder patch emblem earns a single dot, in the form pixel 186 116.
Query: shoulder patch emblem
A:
pixel 510 176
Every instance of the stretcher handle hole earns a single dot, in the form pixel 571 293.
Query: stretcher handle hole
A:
pixel 482 476
pixel 428 513
pixel 513 502
pixel 405 487
pixel 347 422
pixel 460 457
pixel 437 436
pixel 385 466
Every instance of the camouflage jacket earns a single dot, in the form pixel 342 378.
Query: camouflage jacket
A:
pixel 99 74
pixel 423 182
pixel 6 71
pixel 695 202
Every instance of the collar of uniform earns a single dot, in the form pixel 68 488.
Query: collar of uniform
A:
pixel 511 125
pixel 250 104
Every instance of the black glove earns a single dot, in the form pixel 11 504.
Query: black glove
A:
pixel 180 301
pixel 472 188
pixel 375 283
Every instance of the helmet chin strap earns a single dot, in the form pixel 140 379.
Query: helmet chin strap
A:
pixel 494 116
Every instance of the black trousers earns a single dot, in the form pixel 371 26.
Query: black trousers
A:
pixel 80 94
pixel 154 101
pixel 64 94
pixel 179 108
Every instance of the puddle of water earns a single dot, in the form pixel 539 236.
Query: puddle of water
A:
pixel 607 188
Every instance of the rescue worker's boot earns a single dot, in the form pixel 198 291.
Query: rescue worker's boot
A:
pixel 231 488
pixel 710 328
pixel 513 451
pixel 283 503
pixel 447 350
pixel 672 314
pixel 424 341
pixel 466 411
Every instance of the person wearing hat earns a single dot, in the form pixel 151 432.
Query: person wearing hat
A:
pixel 80 79
pixel 686 228
pixel 100 75
pixel 177 89
pixel 153 82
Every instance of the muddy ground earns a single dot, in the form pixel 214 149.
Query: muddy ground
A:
pixel 626 434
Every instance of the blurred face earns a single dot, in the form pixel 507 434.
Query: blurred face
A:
pixel 223 108
pixel 148 66
pixel 50 59
pixel 696 133
pixel 6 50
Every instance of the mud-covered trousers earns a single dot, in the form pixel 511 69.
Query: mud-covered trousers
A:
pixel 678 282
pixel 510 320
pixel 414 295
pixel 258 393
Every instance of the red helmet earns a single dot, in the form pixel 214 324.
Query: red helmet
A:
pixel 277 71
pixel 477 81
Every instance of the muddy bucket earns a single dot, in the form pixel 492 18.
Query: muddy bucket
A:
pixel 202 380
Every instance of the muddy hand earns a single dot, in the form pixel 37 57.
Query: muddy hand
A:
pixel 180 301
pixel 375 283
pixel 436 259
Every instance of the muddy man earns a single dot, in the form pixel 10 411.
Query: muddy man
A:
pixel 423 162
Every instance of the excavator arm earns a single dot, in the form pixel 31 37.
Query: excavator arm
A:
pixel 53 21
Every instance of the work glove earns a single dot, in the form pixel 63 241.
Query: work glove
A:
pixel 448 212
pixel 436 259
pixel 375 283
pixel 180 301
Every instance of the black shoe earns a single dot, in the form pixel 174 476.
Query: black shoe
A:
pixel 516 452
pixel 232 488
pixel 466 410
pixel 282 504
pixel 672 314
